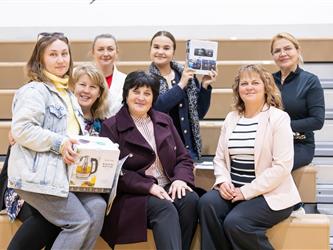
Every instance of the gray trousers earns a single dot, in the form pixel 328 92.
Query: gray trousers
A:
pixel 80 217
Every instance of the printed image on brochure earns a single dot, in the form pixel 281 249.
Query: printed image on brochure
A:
pixel 201 55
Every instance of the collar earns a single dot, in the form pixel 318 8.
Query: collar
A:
pixel 125 121
pixel 289 78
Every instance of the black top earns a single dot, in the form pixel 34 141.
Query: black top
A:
pixel 303 100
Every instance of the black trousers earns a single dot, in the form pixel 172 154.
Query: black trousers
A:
pixel 303 155
pixel 225 225
pixel 35 233
pixel 173 223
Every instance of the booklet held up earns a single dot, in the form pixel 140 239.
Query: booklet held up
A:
pixel 201 55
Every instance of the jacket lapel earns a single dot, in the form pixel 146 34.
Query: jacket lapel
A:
pixel 161 132
pixel 261 133
pixel 232 123
pixel 126 126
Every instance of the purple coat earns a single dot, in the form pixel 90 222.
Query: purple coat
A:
pixel 127 220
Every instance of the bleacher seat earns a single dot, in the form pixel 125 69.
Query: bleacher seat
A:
pixel 4 129
pixel 6 97
pixel 310 231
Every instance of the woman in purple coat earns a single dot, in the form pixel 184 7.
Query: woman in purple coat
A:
pixel 155 189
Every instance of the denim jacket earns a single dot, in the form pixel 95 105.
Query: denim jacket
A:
pixel 39 125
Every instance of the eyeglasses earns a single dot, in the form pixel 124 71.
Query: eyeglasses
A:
pixel 286 50
pixel 47 34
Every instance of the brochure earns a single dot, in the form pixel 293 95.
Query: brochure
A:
pixel 201 55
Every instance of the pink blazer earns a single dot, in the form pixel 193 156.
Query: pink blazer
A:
pixel 274 155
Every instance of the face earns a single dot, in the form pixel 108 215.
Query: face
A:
pixel 285 55
pixel 161 50
pixel 251 88
pixel 56 58
pixel 86 92
pixel 105 52
pixel 139 101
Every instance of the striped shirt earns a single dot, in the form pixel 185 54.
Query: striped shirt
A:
pixel 241 150
pixel 146 128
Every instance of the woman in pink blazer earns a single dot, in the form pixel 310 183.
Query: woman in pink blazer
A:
pixel 254 189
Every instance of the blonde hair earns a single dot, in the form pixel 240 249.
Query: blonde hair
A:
pixel 290 38
pixel 272 93
pixel 100 108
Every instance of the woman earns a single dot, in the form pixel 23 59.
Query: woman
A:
pixel 302 95
pixel 46 117
pixel 155 190
pixel 90 88
pixel 254 189
pixel 181 95
pixel 91 91
pixel 105 53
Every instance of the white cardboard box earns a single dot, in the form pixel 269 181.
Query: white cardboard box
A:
pixel 201 55
pixel 95 167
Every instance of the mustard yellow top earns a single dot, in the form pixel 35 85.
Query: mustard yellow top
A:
pixel 61 84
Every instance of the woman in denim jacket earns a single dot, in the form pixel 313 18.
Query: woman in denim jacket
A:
pixel 46 116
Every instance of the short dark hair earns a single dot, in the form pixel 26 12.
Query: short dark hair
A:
pixel 137 79
pixel 166 34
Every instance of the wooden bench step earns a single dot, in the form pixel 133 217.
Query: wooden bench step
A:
pixel 210 132
pixel 306 181
pixel 315 50
pixel 12 74
pixel 4 129
pixel 6 97
pixel 309 231
pixel 220 105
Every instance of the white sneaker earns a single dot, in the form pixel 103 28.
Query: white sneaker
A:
pixel 298 212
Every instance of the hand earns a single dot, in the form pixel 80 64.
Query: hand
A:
pixel 209 79
pixel 159 192
pixel 180 188
pixel 238 195
pixel 227 190
pixel 67 151
pixel 11 140
pixel 188 74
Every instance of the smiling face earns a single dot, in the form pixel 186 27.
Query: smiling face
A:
pixel 161 51
pixel 56 58
pixel 285 54
pixel 105 52
pixel 86 92
pixel 251 88
pixel 139 101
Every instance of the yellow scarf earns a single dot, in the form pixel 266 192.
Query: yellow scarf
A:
pixel 59 83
